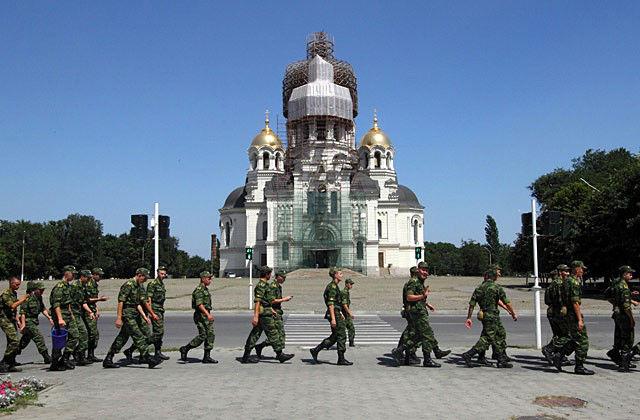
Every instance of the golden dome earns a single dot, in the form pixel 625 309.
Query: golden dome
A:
pixel 267 137
pixel 375 136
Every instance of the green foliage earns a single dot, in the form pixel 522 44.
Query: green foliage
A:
pixel 470 259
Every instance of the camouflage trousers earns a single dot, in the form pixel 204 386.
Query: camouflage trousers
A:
pixel 274 329
pixel 158 327
pixel 92 329
pixel 554 323
pixel 205 331
pixel 30 333
pixel 11 331
pixel 493 335
pixel 571 339
pixel 351 330
pixel 72 329
pixel 420 333
pixel 338 335
pixel 254 336
pixel 83 335
pixel 145 329
pixel 624 334
pixel 132 327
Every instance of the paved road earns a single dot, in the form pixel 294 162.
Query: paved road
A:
pixel 232 329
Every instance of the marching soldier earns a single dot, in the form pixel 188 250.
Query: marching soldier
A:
pixel 129 319
pixel 201 303
pixel 346 311
pixel 29 312
pixel 91 291
pixel 80 309
pixel 398 353
pixel 620 297
pixel 574 335
pixel 271 318
pixel 145 327
pixel 489 296
pixel 553 300
pixel 9 303
pixel 256 331
pixel 156 293
pixel 61 299
pixel 332 299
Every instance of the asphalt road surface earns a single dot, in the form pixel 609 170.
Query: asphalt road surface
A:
pixel 232 328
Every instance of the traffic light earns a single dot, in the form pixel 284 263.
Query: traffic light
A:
pixel 418 253
pixel 248 254
pixel 163 224
pixel 140 223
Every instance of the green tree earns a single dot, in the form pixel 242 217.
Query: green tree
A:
pixel 491 235
pixel 443 258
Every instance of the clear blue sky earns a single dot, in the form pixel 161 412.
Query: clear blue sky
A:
pixel 97 99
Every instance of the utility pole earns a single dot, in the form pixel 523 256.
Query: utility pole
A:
pixel 536 286
pixel 156 239
pixel 24 232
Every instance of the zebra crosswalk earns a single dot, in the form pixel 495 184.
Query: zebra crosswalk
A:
pixel 310 329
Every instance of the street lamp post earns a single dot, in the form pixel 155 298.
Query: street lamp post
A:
pixel 24 232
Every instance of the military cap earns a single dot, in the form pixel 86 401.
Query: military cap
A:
pixel 281 273
pixel 70 269
pixel 205 274
pixel 495 267
pixel 413 270
pixel 86 273
pixel 333 271
pixel 423 264
pixel 578 264
pixel 626 269
pixel 264 270
pixel 39 285
pixel 98 271
pixel 563 267
pixel 349 281
pixel 31 286
pixel 162 267
pixel 143 271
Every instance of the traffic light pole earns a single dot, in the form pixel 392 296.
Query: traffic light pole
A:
pixel 156 239
pixel 250 284
pixel 536 286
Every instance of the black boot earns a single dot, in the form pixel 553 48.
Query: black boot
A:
pixel 352 342
pixel 439 354
pixel 342 361
pixel 207 357
pixel 581 370
pixel 184 350
pixel 397 353
pixel 11 364
pixel 128 353
pixel 548 354
pixel 482 360
pixel 428 362
pixel 283 357
pixel 150 360
pixel 65 359
pixel 259 347
pixel 614 355
pixel 411 359
pixel 467 357
pixel 107 363
pixel 80 359
pixel 314 352
pixel 56 361
pixel 47 359
pixel 503 361
pixel 567 362
pixel 505 357
pixel 625 358
pixel 92 355
pixel 246 357
pixel 158 347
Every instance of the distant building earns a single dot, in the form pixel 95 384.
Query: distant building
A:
pixel 321 201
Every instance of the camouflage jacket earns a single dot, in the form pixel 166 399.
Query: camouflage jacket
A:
pixel 32 307
pixel 78 295
pixel 346 299
pixel 201 296
pixel 8 298
pixel 619 295
pixel 487 296
pixel 131 295
pixel 553 294
pixel 60 296
pixel 91 292
pixel 332 297
pixel 414 286
pixel 157 292
pixel 273 292
pixel 571 293
pixel 259 291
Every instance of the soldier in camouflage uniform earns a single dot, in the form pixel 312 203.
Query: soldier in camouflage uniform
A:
pixel 620 297
pixel 489 296
pixel 79 308
pixel 553 300
pixel 397 353
pixel 333 301
pixel 346 311
pixel 145 327
pixel 61 299
pixel 29 312
pixel 92 294
pixel 9 303
pixel 156 292
pixel 271 318
pixel 129 320
pixel 573 332
pixel 201 304
pixel 256 331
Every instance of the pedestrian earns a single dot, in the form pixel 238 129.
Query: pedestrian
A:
pixel 620 297
pixel 29 312
pixel 400 353
pixel 574 337
pixel 60 299
pixel 490 296
pixel 93 297
pixel 129 319
pixel 156 292
pixel 201 304
pixel 332 300
pixel 256 330
pixel 80 309
pixel 346 311
pixel 9 303
pixel 271 318
pixel 145 327
pixel 553 300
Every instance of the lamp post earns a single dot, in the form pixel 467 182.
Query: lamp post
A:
pixel 24 232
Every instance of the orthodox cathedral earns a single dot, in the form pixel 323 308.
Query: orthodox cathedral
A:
pixel 325 199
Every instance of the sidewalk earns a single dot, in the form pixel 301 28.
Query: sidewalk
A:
pixel 373 388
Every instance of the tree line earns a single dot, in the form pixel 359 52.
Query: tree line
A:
pixel 79 240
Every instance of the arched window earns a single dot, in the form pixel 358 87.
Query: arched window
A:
pixel 379 228
pixel 360 250
pixel 278 161
pixel 415 231
pixel 265 230
pixel 378 159
pixel 388 160
pixel 285 251
pixel 254 162
pixel 265 160
pixel 227 234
